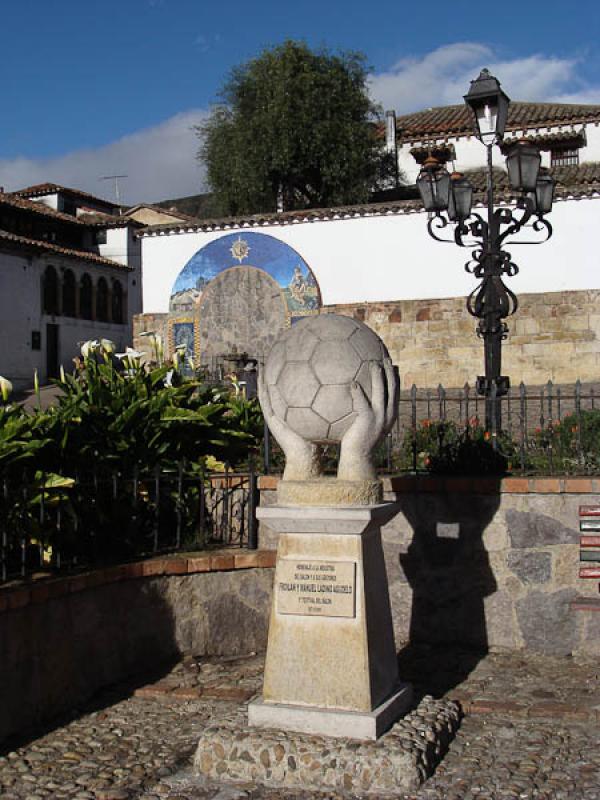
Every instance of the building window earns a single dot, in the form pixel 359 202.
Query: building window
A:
pixel 85 297
pixel 50 291
pixel 68 294
pixel 564 157
pixel 101 236
pixel 69 207
pixel 102 300
pixel 117 303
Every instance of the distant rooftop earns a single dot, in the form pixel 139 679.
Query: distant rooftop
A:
pixel 457 121
pixel 571 181
pixel 26 243
pixel 42 189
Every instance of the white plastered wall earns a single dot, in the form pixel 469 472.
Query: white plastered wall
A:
pixel 21 314
pixel 379 258
pixel 471 153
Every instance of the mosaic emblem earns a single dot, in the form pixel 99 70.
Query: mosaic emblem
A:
pixel 239 249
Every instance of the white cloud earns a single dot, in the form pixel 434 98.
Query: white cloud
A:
pixel 443 76
pixel 160 163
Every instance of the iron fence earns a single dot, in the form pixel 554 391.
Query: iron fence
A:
pixel 547 429
pixel 53 525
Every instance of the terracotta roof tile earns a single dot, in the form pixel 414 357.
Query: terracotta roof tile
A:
pixel 41 189
pixel 456 120
pixel 159 209
pixel 547 141
pixel 96 219
pixel 13 200
pixel 50 247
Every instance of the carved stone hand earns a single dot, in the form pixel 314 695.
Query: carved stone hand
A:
pixel 373 420
pixel 302 458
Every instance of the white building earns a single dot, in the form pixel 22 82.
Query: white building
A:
pixel 566 134
pixel 70 270
pixel 366 258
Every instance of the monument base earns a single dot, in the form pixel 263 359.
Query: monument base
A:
pixel 331 722
pixel 329 492
pixel 397 763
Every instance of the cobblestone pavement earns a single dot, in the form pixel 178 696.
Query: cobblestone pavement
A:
pixel 539 745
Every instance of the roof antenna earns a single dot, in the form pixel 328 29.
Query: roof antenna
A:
pixel 114 178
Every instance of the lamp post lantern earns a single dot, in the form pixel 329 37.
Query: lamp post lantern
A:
pixel 448 199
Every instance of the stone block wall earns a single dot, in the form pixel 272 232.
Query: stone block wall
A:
pixel 148 323
pixel 486 563
pixel 553 336
pixel 63 640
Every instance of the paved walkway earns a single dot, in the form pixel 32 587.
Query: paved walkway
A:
pixel 531 731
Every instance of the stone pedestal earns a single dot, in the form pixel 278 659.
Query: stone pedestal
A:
pixel 331 665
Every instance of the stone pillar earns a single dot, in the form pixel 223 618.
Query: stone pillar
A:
pixel 331 664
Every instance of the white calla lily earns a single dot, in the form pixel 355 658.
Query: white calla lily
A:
pixel 107 345
pixel 89 347
pixel 6 388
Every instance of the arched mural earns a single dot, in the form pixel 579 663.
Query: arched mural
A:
pixel 236 293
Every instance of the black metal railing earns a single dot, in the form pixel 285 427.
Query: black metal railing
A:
pixel 547 429
pixel 51 525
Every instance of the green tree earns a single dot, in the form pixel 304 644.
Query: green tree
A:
pixel 295 126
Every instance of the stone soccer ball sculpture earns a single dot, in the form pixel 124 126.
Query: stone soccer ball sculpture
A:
pixel 320 376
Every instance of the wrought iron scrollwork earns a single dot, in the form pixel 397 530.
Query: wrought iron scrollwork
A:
pixel 435 223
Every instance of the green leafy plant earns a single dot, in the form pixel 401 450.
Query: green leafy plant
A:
pixel 571 445
pixel 295 126
pixel 80 478
pixel 442 447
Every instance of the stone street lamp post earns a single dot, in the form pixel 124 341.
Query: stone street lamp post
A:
pixel 448 199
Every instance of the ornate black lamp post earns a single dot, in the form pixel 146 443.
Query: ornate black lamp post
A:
pixel 449 199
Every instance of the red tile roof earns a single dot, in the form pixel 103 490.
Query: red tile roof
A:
pixel 41 189
pixel 14 201
pixel 456 120
pixel 172 212
pixel 49 247
pixel 97 219
pixel 548 141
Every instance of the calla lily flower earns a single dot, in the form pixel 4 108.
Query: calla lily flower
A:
pixel 6 388
pixel 89 347
pixel 108 346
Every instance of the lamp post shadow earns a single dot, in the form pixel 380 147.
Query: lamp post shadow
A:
pixel 449 571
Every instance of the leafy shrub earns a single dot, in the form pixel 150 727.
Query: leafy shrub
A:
pixel 442 447
pixel 79 477
pixel 571 445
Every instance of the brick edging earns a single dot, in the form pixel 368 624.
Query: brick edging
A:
pixel 429 484
pixel 537 710
pixel 13 597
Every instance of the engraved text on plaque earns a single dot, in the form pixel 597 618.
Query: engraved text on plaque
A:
pixel 316 588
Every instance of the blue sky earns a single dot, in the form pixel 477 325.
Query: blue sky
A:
pixel 96 88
